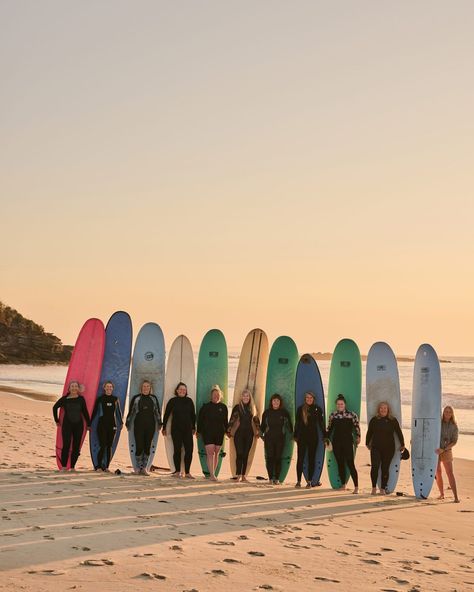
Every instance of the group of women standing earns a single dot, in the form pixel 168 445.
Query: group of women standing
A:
pixel 342 434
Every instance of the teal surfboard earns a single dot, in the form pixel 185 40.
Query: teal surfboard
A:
pixel 345 377
pixel 211 370
pixel 281 378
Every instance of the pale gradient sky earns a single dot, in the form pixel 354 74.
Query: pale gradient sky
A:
pixel 305 167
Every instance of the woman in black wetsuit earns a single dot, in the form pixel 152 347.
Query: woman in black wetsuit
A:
pixel 380 440
pixel 183 427
pixel 309 417
pixel 213 424
pixel 107 407
pixel 244 427
pixel 276 424
pixel 145 414
pixel 72 426
pixel 343 430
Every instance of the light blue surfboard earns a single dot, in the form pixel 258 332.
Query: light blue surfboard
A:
pixel 148 363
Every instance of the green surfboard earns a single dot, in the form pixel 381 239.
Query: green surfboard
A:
pixel 345 377
pixel 281 377
pixel 211 370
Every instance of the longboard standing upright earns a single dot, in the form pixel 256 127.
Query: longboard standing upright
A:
pixel 212 370
pixel 383 386
pixel 116 369
pixel 308 378
pixel 84 367
pixel 148 363
pixel 281 375
pixel 251 375
pixel 345 377
pixel 425 420
pixel 180 368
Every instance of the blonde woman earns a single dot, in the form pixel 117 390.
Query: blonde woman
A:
pixel 449 438
pixel 244 427
pixel 380 440
pixel 212 426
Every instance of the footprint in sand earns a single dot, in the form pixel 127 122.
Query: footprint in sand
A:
pixel 228 560
pixel 176 548
pixel 322 579
pixel 371 561
pixel 151 576
pixel 48 572
pixel 218 572
pixel 399 580
pixel 222 543
pixel 432 557
pixel 243 537
pixel 81 548
pixel 256 553
pixel 96 562
pixel 143 555
pixel 438 572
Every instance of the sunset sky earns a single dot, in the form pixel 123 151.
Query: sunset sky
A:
pixel 305 167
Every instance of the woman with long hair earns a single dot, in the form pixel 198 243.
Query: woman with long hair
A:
pixel 244 427
pixel 183 427
pixel 213 424
pixel 309 417
pixel 72 427
pixel 380 440
pixel 276 424
pixel 107 407
pixel 449 438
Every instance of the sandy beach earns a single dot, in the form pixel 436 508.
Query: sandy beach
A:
pixel 85 531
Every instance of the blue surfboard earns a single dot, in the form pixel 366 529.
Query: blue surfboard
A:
pixel 116 368
pixel 148 363
pixel 308 378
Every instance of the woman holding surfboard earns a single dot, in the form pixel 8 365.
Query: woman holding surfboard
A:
pixel 309 417
pixel 449 438
pixel 183 428
pixel 213 424
pixel 145 416
pixel 244 427
pixel 276 424
pixel 343 430
pixel 72 427
pixel 380 440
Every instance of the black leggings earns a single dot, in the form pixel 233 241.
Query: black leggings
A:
pixel 106 433
pixel 305 444
pixel 143 433
pixel 344 453
pixel 273 453
pixel 182 438
pixel 72 431
pixel 381 458
pixel 243 441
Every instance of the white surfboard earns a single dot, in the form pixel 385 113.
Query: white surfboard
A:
pixel 383 385
pixel 251 374
pixel 425 420
pixel 180 368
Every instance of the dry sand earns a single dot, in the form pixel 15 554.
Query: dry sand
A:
pixel 89 531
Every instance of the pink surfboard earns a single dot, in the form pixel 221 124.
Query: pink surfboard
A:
pixel 85 367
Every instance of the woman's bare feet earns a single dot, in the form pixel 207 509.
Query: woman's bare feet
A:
pixel 374 491
pixel 356 490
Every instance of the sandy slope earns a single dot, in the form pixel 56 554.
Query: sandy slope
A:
pixel 161 534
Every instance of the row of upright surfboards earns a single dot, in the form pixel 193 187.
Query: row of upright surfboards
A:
pixel 106 354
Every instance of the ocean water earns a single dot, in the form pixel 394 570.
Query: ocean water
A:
pixel 457 380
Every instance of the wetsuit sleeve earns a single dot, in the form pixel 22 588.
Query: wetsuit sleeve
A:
pixel 201 419
pixel 118 412
pixel 370 431
pixel 355 422
pixel 192 411
pixel 330 429
pixel 322 427
pixel 398 431
pixel 59 403
pixel 297 423
pixel 85 413
pixel 96 407
pixel 263 425
pixel 226 418
pixel 131 411
pixel 169 410
pixel 454 439
pixel 290 424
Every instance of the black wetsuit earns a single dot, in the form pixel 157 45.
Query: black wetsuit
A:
pixel 145 410
pixel 213 423
pixel 341 429
pixel 276 424
pixel 182 426
pixel 75 413
pixel 107 407
pixel 381 439
pixel 306 436
pixel 243 437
